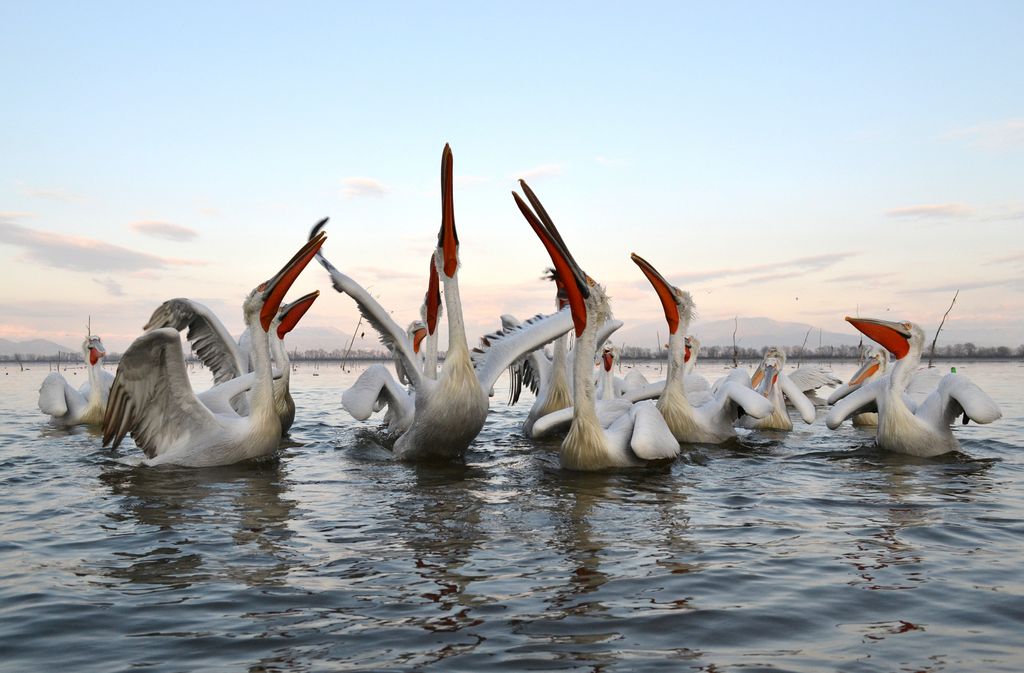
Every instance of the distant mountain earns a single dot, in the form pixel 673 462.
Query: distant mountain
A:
pixel 33 347
pixel 751 333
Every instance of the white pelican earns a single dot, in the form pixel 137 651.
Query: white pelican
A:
pixel 85 406
pixel 448 411
pixel 639 434
pixel 924 430
pixel 153 401
pixel 771 380
pixel 710 419
pixel 548 376
pixel 230 362
pixel 875 364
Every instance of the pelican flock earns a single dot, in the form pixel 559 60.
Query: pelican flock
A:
pixel 435 407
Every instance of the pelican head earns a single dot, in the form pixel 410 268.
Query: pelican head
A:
pixel 587 300
pixel 775 360
pixel 447 254
pixel 692 348
pixel 265 300
pixel 677 304
pixel 417 332
pixel 899 338
pixel 876 362
pixel 92 349
pixel 609 355
pixel 289 315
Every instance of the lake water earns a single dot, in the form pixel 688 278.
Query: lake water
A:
pixel 806 551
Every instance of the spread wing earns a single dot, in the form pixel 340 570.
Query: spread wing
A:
pixel 391 335
pixel 531 370
pixel 812 378
pixel 500 349
pixel 794 392
pixel 955 395
pixel 374 389
pixel 559 421
pixel 55 395
pixel 152 398
pixel 860 401
pixel 207 335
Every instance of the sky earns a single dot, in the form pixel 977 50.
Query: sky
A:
pixel 796 161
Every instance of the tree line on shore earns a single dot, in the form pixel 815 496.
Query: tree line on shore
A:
pixel 965 351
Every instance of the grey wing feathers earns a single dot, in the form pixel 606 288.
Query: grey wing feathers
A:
pixel 151 397
pixel 210 341
pixel 812 378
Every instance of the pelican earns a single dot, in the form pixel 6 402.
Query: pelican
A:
pixel 152 399
pixel 637 435
pixel 85 406
pixel 771 380
pixel 230 362
pixel 709 420
pixel 548 376
pixel 449 411
pixel 924 430
pixel 876 362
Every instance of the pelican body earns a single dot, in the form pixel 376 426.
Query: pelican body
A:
pixel 639 434
pixel 922 431
pixel 152 399
pixel 85 406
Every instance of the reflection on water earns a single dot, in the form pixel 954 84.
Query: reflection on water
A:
pixel 183 513
pixel 801 551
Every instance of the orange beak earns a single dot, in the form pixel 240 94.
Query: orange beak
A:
pixel 892 336
pixel 566 269
pixel 607 358
pixel 94 355
pixel 275 288
pixel 664 290
pixel 433 298
pixel 864 373
pixel 294 311
pixel 417 338
pixel 447 238
pixel 687 353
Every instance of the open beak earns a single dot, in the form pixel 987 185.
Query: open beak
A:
pixel 893 336
pixel 866 371
pixel 95 354
pixel 433 298
pixel 275 288
pixel 769 376
pixel 293 312
pixel 417 338
pixel 688 353
pixel 664 290
pixel 567 270
pixel 447 238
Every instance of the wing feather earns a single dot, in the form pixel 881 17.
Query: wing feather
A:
pixel 151 397
pixel 207 336
pixel 498 350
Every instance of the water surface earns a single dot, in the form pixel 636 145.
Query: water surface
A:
pixel 800 551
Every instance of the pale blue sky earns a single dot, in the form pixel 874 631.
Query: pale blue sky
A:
pixel 864 154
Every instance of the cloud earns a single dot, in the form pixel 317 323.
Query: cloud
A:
pixel 80 254
pixel 210 211
pixel 165 230
pixel 51 194
pixel 111 286
pixel 789 268
pixel 1009 259
pixel 937 210
pixel 859 277
pixel 993 136
pixel 543 170
pixel 977 285
pixel 352 188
